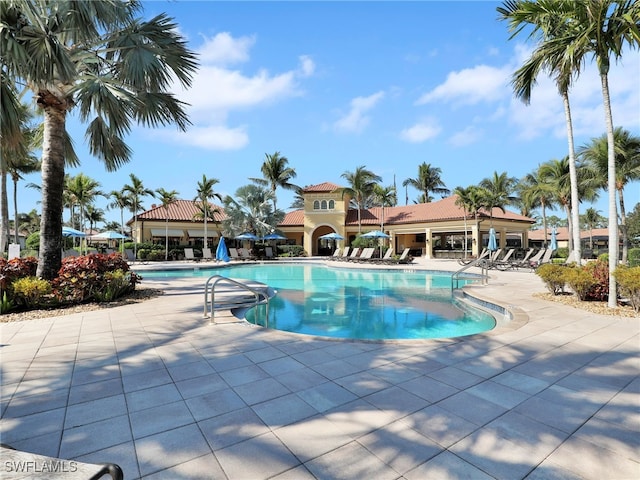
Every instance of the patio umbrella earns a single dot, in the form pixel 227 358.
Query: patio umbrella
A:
pixel 72 232
pixel 248 236
pixel 332 236
pixel 274 236
pixel 376 234
pixel 221 251
pixel 493 243
pixel 554 241
pixel 108 235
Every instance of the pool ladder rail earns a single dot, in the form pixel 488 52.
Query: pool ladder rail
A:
pixel 236 298
pixel 479 262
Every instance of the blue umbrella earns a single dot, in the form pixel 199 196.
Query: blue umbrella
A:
pixel 221 251
pixel 493 244
pixel 274 236
pixel 72 232
pixel 247 236
pixel 554 241
pixel 375 234
pixel 332 236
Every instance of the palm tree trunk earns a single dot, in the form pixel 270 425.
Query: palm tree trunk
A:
pixel 544 223
pixel 623 227
pixel 166 238
pixel 4 228
pixel 50 256
pixel 573 177
pixel 567 209
pixel 611 182
pixel 16 223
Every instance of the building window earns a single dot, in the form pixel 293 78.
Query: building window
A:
pixel 316 205
pixel 332 204
pixel 323 205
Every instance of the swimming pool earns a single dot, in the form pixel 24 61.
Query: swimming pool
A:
pixel 363 304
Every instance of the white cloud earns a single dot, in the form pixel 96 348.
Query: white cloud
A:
pixel 356 120
pixel 470 86
pixel 466 137
pixel 214 137
pixel 223 49
pixel 218 90
pixel 421 132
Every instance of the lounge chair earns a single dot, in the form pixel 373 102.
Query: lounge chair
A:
pixel 245 254
pixel 233 253
pixel 354 255
pixel 336 254
pixel 344 255
pixel 189 255
pixel 546 258
pixel 206 254
pixel 467 261
pixel 523 262
pixel 268 253
pixel 404 258
pixel 366 254
pixel 386 256
pixel 505 262
pixel 128 253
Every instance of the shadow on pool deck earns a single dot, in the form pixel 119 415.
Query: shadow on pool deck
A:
pixel 155 388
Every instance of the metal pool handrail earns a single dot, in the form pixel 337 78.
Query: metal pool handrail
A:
pixel 484 272
pixel 260 297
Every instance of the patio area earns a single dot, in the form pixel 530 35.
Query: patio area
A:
pixel 157 389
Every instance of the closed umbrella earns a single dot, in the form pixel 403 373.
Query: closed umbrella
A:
pixel 554 241
pixel 221 251
pixel 493 243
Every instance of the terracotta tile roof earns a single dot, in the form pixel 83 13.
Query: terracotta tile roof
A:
pixel 562 233
pixel 321 187
pixel 178 211
pixel 441 210
pixel 291 219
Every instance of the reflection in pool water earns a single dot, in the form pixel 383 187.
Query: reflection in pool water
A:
pixel 358 303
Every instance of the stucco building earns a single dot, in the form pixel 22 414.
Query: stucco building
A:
pixel 435 229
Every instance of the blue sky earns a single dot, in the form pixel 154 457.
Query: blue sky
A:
pixel 336 85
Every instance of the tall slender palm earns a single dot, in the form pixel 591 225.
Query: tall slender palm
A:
pixel 556 173
pixel 276 174
pixel 470 199
pixel 428 180
pixel 627 155
pixel 537 191
pixel 122 201
pixel 361 183
pixel 498 192
pixel 550 55
pixel 17 168
pixel 83 191
pixel 204 193
pixel 166 198
pixel 385 197
pixel 591 219
pixel 136 192
pixel 94 216
pixel 116 68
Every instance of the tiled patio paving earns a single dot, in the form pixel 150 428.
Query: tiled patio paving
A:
pixel 155 388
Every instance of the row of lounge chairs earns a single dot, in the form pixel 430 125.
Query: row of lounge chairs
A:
pixel 532 259
pixel 365 255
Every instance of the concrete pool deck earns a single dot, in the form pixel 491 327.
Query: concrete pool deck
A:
pixel 155 388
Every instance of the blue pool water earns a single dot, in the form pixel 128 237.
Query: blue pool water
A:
pixel 354 303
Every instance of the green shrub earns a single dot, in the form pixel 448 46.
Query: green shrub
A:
pixel 115 284
pixel 634 257
pixel 291 251
pixel 11 270
pixel 6 304
pixel 31 291
pixel 553 276
pixel 562 252
pixel 628 279
pixel 580 281
pixel 156 255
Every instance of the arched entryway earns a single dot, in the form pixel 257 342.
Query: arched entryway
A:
pixel 321 247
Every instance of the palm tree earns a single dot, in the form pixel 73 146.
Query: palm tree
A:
pixel 536 191
pixel 136 191
pixel 122 201
pixel 470 200
pixel 250 210
pixel 94 216
pixel 385 197
pixel 276 174
pixel 98 56
pixel 428 180
pixel 204 193
pixel 166 198
pixel 82 191
pixel 361 184
pixel 627 151
pixel 298 199
pixel 550 55
pixel 498 192
pixel 17 168
pixel 591 219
